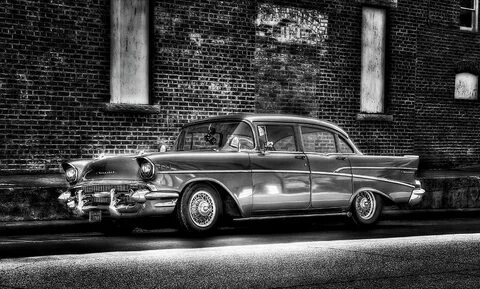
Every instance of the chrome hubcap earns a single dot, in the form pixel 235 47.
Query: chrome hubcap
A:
pixel 202 208
pixel 365 205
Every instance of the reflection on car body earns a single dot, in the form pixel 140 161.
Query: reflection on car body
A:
pixel 244 166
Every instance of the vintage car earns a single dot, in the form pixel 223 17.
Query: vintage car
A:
pixel 243 166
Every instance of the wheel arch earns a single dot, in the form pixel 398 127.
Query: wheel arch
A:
pixel 231 207
pixel 385 197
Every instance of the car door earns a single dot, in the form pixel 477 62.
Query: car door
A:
pixel 331 178
pixel 280 172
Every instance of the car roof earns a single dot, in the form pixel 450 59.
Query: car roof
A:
pixel 265 117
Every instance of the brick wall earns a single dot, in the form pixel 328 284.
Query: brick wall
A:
pixel 447 129
pixel 320 75
pixel 54 77
pixel 217 57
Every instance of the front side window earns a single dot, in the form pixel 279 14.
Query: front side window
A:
pixel 344 147
pixel 278 137
pixel 217 136
pixel 469 15
pixel 318 140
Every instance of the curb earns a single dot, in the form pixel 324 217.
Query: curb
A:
pixel 82 226
pixel 45 227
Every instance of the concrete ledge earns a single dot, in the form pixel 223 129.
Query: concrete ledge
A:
pixel 132 108
pixel 384 3
pixel 450 193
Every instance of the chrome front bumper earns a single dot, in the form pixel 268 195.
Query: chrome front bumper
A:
pixel 141 203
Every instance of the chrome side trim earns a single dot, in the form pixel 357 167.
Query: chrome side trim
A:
pixel 383 180
pixel 362 177
pixel 282 171
pixel 374 168
pixel 331 174
pixel 204 171
pixel 291 216
pixel 233 171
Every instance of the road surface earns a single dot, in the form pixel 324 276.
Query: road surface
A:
pixel 295 253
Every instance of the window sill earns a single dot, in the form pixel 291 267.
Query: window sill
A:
pixel 382 3
pixel 375 117
pixel 132 108
pixel 467 31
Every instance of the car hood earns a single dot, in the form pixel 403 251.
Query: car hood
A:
pixel 112 168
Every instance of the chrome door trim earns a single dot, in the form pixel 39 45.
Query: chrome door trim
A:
pixel 281 171
pixel 232 171
pixel 331 174
pixel 383 180
pixel 204 171
pixel 375 168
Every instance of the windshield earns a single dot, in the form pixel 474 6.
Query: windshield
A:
pixel 222 136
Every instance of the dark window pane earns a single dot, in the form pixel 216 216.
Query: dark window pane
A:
pixel 467 3
pixel 466 18
pixel 281 136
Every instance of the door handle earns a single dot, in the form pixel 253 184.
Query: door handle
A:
pixel 341 158
pixel 300 157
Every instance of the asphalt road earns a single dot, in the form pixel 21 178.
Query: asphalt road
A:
pixel 297 253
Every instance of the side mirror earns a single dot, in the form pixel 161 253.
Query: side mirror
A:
pixel 268 146
pixel 234 143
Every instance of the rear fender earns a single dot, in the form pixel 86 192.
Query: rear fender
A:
pixel 371 190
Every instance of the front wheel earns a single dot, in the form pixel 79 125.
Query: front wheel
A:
pixel 366 208
pixel 200 209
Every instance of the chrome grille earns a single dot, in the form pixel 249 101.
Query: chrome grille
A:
pixel 106 188
pixel 102 201
pixel 121 193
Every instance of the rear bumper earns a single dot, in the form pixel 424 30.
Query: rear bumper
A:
pixel 416 197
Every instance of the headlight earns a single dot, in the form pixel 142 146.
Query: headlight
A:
pixel 71 175
pixel 147 170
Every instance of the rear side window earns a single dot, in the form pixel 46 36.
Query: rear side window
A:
pixel 282 137
pixel 318 140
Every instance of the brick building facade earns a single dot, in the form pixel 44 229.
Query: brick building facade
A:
pixel 214 57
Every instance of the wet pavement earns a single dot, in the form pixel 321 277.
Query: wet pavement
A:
pixel 274 253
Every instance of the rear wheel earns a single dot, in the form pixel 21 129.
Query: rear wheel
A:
pixel 366 208
pixel 200 209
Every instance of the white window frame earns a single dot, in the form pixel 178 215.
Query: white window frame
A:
pixel 372 83
pixel 474 27
pixel 466 86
